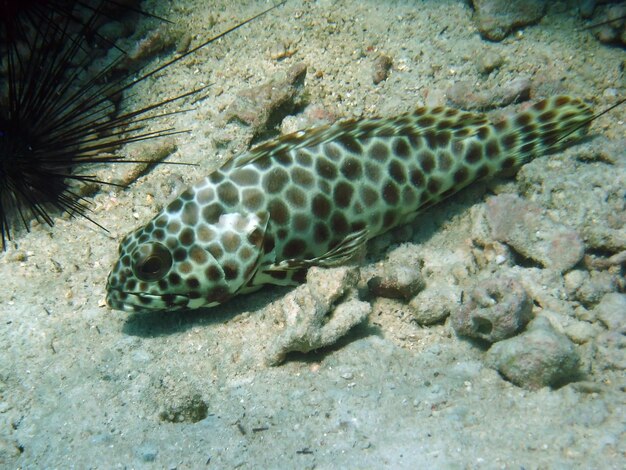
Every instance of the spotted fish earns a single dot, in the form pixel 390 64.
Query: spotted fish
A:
pixel 314 197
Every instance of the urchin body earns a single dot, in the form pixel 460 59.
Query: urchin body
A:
pixel 55 115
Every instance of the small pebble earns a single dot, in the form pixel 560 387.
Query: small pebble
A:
pixel 587 7
pixel 606 34
pixel 611 351
pixel 155 42
pixel 574 280
pixel 397 282
pixel 185 409
pixel 596 286
pixel 435 303
pixel 614 32
pixel 580 332
pixel 582 314
pixel 382 65
pixel 464 94
pixel 489 61
pixel 617 15
pixel 9 450
pixel 612 312
pixel 19 257
pixel 148 452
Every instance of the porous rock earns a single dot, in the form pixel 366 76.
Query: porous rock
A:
pixel 435 303
pixel 142 49
pixel 522 225
pixel 612 311
pixel 493 310
pixel 259 107
pixel 539 357
pixel 496 18
pixel 318 313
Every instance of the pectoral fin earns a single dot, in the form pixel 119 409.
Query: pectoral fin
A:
pixel 340 254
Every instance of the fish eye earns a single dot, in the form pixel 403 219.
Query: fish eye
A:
pixel 151 261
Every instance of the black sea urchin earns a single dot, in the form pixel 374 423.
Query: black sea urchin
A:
pixel 55 114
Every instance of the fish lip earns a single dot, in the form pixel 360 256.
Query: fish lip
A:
pixel 176 302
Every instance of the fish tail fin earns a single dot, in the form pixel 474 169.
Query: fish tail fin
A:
pixel 547 126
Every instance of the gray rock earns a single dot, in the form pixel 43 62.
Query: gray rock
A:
pixel 318 313
pixel 612 312
pixel 464 94
pixel 435 303
pixel 489 61
pixel 587 7
pixel 596 286
pixel 496 18
pixel 184 409
pixel 615 31
pixel 522 225
pixel 573 280
pixel 494 310
pixel 401 276
pixel 611 351
pixel 537 358
pixel 580 332
pixel 8 450
pixel 148 452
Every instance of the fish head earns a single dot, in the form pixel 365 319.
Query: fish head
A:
pixel 177 267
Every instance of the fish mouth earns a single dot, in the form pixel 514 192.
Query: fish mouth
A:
pixel 133 302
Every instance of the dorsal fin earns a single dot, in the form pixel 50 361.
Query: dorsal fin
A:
pixel 414 123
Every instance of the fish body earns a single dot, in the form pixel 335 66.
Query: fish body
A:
pixel 314 197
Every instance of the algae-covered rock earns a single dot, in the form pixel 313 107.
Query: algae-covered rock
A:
pixel 185 409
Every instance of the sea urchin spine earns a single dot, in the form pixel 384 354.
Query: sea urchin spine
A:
pixel 55 115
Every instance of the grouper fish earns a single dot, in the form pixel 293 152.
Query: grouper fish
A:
pixel 314 197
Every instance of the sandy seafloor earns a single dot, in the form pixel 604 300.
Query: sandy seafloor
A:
pixel 82 386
